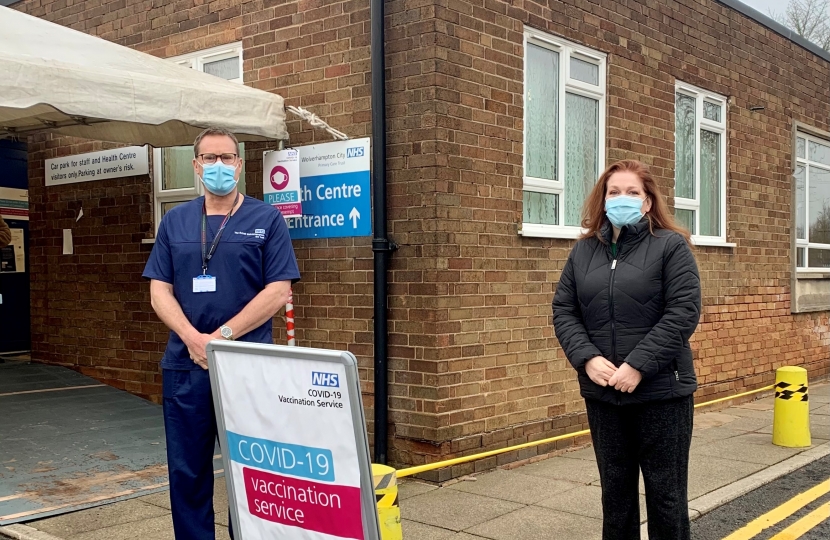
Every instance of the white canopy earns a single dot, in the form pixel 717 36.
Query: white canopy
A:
pixel 58 79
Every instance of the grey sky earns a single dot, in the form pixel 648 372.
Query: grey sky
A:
pixel 765 5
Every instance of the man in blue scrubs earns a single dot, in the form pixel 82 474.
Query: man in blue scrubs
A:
pixel 221 267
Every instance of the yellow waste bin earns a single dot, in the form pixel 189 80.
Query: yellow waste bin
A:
pixel 791 420
pixel 386 492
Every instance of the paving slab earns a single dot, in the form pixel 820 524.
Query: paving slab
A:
pixel 537 523
pixel 815 404
pixel 220 495
pixel 584 501
pixel 161 499
pixel 453 509
pixel 411 488
pixel 420 531
pixel 572 470
pixel 818 436
pixel 715 419
pixel 716 433
pixel 587 454
pixel 709 474
pixel 763 404
pixel 515 487
pixel 748 423
pixel 752 448
pixel 158 528
pixel 110 515
pixel 750 412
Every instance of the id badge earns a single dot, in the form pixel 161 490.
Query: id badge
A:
pixel 204 283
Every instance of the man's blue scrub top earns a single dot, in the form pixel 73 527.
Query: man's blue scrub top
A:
pixel 254 250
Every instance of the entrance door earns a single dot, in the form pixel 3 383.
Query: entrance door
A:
pixel 14 260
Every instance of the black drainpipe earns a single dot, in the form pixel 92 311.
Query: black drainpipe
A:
pixel 381 246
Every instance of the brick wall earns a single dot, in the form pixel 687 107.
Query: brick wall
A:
pixel 474 363
pixel 89 309
pixel 497 364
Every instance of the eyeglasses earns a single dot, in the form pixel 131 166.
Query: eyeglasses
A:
pixel 210 159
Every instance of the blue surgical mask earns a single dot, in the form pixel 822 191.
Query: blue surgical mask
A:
pixel 624 210
pixel 219 179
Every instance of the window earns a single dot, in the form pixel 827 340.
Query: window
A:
pixel 700 164
pixel 564 133
pixel 812 202
pixel 174 180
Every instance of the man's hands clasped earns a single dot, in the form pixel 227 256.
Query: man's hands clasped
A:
pixel 604 373
pixel 197 347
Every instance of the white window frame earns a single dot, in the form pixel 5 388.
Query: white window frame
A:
pixel 808 164
pixel 566 50
pixel 197 61
pixel 680 203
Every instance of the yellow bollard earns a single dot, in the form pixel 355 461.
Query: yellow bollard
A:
pixel 386 492
pixel 791 417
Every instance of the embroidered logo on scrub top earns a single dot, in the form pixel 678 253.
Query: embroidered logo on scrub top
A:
pixel 258 233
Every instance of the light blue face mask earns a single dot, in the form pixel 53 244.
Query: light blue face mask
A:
pixel 623 210
pixel 219 179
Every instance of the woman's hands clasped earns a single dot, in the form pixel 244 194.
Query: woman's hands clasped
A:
pixel 604 373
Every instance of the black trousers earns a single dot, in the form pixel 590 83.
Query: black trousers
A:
pixel 190 429
pixel 652 437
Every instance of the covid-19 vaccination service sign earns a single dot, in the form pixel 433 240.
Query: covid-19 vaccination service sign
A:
pixel 293 439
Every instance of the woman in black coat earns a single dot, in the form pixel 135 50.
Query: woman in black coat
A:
pixel 627 302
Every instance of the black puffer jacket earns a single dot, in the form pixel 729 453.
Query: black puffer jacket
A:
pixel 640 308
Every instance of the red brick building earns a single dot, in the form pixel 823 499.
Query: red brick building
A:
pixel 500 117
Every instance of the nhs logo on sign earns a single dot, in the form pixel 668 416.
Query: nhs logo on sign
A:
pixel 355 151
pixel 319 378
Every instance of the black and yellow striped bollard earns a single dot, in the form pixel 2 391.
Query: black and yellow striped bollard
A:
pixel 386 492
pixel 791 420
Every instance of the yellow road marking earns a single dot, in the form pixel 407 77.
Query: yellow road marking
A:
pixel 797 529
pixel 781 513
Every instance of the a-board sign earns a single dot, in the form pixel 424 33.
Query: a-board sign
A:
pixel 293 438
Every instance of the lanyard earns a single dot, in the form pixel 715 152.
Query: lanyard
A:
pixel 207 254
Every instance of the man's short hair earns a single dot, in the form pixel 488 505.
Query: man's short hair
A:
pixel 212 132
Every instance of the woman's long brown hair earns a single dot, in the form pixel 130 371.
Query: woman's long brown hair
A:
pixel 659 216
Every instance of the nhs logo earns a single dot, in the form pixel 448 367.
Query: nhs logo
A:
pixel 319 378
pixel 355 151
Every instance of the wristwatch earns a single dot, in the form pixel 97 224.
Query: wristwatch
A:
pixel 226 332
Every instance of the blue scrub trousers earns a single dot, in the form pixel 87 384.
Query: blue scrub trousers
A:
pixel 190 427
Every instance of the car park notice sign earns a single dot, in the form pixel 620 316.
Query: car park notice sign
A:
pixel 293 439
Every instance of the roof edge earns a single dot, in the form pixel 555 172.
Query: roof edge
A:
pixel 776 27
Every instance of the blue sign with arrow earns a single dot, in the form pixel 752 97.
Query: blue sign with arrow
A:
pixel 335 187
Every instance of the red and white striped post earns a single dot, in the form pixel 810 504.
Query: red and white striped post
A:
pixel 289 318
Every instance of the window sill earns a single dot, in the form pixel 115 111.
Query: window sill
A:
pixel 712 242
pixel 812 274
pixel 534 230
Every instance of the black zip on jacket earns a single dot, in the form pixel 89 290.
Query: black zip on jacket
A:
pixel 640 307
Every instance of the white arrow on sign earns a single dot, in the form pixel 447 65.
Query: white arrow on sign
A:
pixel 354 215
